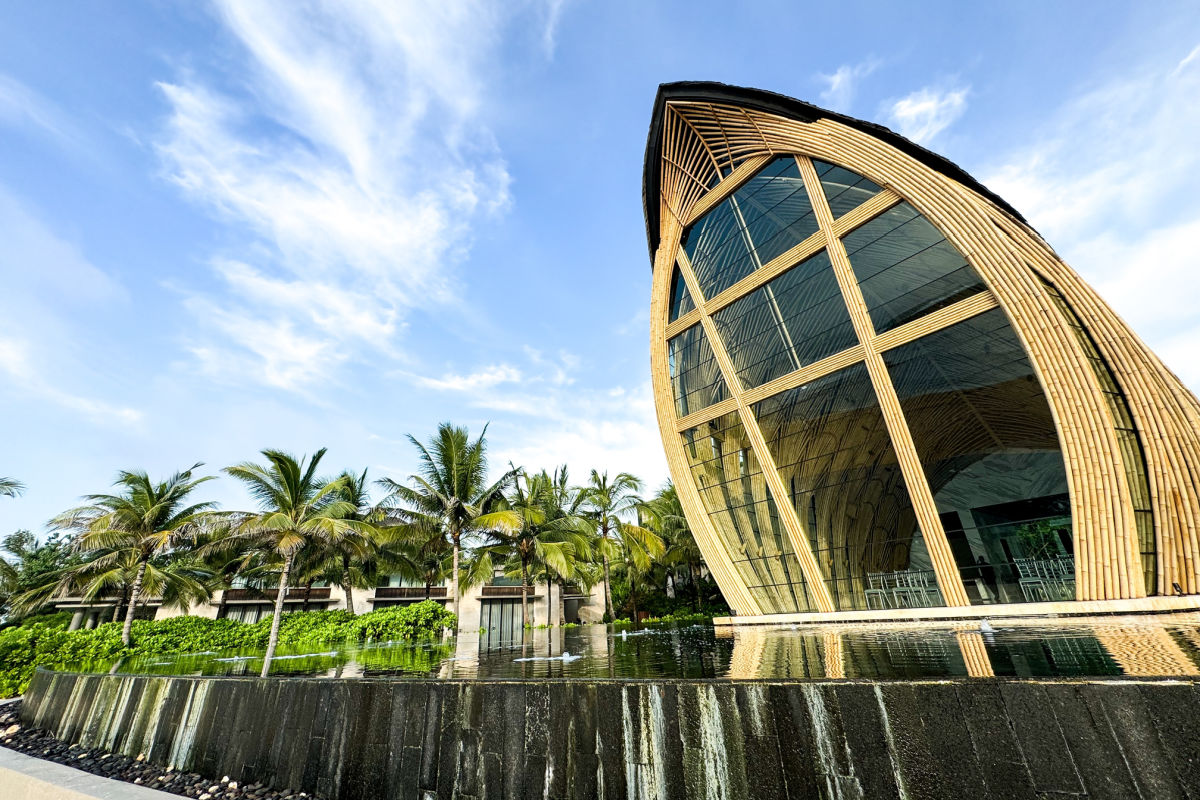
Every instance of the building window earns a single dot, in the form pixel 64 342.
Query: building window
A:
pixel 744 516
pixel 987 442
pixel 832 449
pixel 796 319
pixel 766 217
pixel 695 376
pixel 906 268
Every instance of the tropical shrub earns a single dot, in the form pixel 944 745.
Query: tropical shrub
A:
pixel 48 645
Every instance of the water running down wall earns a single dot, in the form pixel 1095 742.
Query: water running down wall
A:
pixel 959 739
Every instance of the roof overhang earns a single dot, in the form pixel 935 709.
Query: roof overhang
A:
pixel 788 108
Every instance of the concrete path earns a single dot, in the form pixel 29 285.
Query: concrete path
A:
pixel 23 777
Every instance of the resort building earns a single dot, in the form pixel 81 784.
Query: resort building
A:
pixel 882 394
pixel 494 608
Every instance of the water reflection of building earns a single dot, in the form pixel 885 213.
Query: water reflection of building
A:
pixel 880 390
pixel 1083 649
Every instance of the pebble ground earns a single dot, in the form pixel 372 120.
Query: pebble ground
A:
pixel 41 744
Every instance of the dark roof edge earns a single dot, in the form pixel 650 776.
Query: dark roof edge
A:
pixel 780 105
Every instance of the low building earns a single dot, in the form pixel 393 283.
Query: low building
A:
pixel 493 607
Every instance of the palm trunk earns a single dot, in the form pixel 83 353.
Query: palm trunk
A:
pixel 562 603
pixel 524 597
pixel 428 588
pixel 280 593
pixel 307 595
pixel 455 539
pixel 608 593
pixel 346 586
pixel 133 598
pixel 695 586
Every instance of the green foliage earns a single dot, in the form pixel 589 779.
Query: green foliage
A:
pixel 49 644
pixel 415 621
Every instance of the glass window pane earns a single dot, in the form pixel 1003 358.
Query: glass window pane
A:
pixel 835 457
pixel 735 495
pixel 695 375
pixel 987 442
pixel 768 215
pixel 906 269
pixel 794 320
pixel 844 190
pixel 681 298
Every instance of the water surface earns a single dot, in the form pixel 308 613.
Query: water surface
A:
pixel 1135 646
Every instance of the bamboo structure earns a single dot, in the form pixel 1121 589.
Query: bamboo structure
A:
pixel 878 388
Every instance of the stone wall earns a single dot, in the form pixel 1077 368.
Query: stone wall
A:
pixel 958 739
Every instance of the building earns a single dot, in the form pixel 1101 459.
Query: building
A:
pixel 882 394
pixel 493 608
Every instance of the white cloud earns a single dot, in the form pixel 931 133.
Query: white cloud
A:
pixel 617 432
pixel 486 378
pixel 841 85
pixel 357 161
pixel 1109 181
pixel 925 113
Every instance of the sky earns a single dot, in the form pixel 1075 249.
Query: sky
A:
pixel 244 224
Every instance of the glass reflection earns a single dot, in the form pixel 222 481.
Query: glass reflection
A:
pixel 681 298
pixel 832 448
pixel 844 190
pixel 796 319
pixel 767 216
pixel 906 268
pixel 734 491
pixel 987 442
pixel 695 376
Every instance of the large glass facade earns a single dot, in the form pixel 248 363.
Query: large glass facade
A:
pixel 906 268
pixel 794 320
pixel 986 439
pixel 767 216
pixel 831 447
pixel 734 492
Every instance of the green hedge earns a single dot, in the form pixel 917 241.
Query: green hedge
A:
pixel 37 644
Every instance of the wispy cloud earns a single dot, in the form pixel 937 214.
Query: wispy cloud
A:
pixel 357 162
pixel 842 84
pixel 1109 180
pixel 17 365
pixel 925 113
pixel 20 106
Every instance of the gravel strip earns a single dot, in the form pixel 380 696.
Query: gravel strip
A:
pixel 41 744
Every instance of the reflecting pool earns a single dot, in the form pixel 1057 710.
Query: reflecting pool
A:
pixel 1140 646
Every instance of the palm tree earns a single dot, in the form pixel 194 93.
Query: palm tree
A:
pixel 135 530
pixel 537 532
pixel 450 491
pixel 664 515
pixel 296 509
pixel 354 560
pixel 607 502
pixel 10 487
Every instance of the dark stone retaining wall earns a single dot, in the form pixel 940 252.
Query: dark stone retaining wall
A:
pixel 956 739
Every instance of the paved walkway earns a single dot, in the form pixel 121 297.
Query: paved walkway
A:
pixel 23 777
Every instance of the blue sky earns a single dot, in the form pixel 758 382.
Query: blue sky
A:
pixel 238 225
